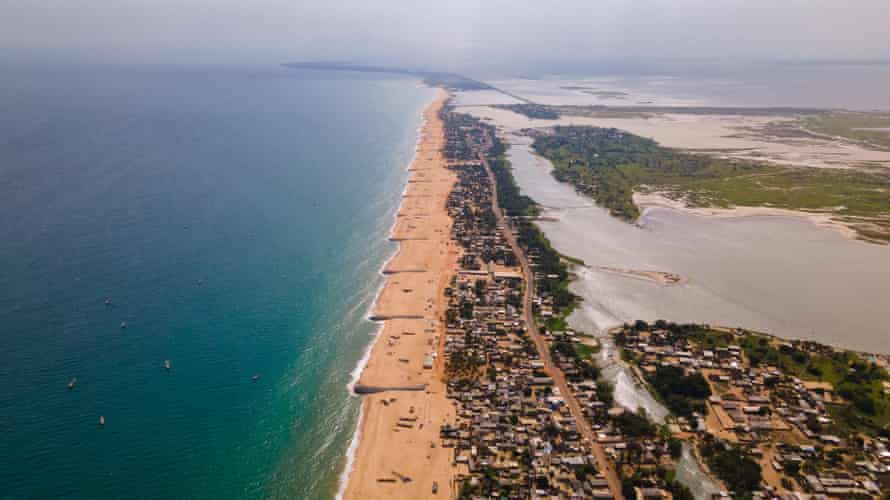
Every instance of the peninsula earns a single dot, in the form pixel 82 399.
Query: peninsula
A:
pixel 474 386
pixel 462 394
pixel 478 387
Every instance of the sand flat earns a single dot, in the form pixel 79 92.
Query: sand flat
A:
pixel 729 136
pixel 398 454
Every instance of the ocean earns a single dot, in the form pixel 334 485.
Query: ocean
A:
pixel 236 219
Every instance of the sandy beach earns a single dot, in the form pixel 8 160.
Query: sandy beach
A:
pixel 398 455
pixel 660 277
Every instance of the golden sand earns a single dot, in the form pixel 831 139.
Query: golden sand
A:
pixel 399 455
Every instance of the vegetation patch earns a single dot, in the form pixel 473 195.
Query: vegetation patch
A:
pixel 533 111
pixel 739 471
pixel 610 165
pixel 871 129
pixel 682 394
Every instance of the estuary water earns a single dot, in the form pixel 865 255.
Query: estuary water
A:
pixel 236 220
pixel 780 275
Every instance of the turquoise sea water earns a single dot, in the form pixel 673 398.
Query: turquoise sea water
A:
pixel 237 220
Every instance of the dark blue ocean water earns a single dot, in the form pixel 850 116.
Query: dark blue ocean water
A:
pixel 237 220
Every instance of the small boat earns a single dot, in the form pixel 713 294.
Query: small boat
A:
pixel 102 420
pixel 108 301
pixel 123 324
pixel 256 376
pixel 72 383
pixel 167 364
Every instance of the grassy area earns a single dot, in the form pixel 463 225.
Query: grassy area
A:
pixel 870 128
pixel 610 165
pixel 586 351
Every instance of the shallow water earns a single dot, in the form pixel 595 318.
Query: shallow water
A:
pixel 850 86
pixel 782 275
pixel 631 395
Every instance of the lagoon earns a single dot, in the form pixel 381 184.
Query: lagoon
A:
pixel 776 274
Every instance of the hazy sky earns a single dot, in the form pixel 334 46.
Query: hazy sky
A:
pixel 453 33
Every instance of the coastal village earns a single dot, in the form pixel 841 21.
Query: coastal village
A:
pixel 517 435
pixel 776 419
pixel 490 394
pixel 514 436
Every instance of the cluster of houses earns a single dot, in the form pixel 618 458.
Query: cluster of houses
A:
pixel 778 419
pixel 631 442
pixel 514 436
pixel 465 137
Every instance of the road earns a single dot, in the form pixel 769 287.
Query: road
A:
pixel 559 380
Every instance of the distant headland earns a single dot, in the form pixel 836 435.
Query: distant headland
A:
pixel 451 81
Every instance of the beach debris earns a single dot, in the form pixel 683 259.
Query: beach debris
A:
pixel 411 410
pixel 72 383
pixel 402 477
pixel 386 480
pixel 435 487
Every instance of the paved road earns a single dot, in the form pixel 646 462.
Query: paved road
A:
pixel 555 373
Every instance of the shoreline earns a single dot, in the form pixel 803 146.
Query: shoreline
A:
pixel 343 478
pixel 648 201
pixel 409 334
pixel 664 278
pixel 369 312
